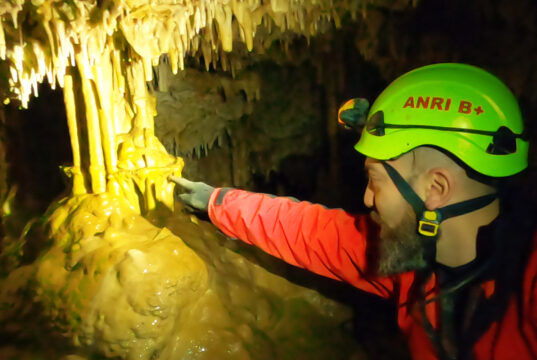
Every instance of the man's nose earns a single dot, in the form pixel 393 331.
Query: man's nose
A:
pixel 369 198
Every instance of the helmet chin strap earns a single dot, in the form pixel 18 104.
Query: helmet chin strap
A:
pixel 429 220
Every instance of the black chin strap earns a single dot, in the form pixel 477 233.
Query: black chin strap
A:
pixel 429 220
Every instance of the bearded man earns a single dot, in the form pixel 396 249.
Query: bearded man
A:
pixel 442 240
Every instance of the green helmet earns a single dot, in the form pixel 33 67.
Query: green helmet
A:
pixel 460 108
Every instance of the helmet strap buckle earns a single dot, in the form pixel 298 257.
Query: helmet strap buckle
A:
pixel 429 223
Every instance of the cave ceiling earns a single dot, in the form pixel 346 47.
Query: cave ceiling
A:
pixel 216 68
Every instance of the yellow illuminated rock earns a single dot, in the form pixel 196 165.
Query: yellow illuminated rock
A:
pixel 110 283
pixel 177 28
pixel 121 283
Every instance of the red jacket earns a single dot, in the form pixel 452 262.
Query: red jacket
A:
pixel 332 243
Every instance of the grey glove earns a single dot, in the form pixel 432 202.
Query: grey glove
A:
pixel 197 195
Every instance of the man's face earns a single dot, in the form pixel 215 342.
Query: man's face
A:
pixel 399 248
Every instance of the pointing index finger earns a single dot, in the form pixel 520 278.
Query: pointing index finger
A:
pixel 187 184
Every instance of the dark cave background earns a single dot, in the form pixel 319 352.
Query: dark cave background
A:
pixel 359 61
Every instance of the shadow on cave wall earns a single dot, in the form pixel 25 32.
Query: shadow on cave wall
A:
pixel 500 36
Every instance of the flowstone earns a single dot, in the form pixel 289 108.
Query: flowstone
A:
pixel 113 285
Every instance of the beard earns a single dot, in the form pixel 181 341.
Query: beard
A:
pixel 399 248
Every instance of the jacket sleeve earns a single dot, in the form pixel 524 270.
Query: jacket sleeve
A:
pixel 329 242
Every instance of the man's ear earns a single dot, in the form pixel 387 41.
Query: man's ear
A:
pixel 440 183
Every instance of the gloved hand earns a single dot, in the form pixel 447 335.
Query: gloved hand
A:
pixel 197 195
